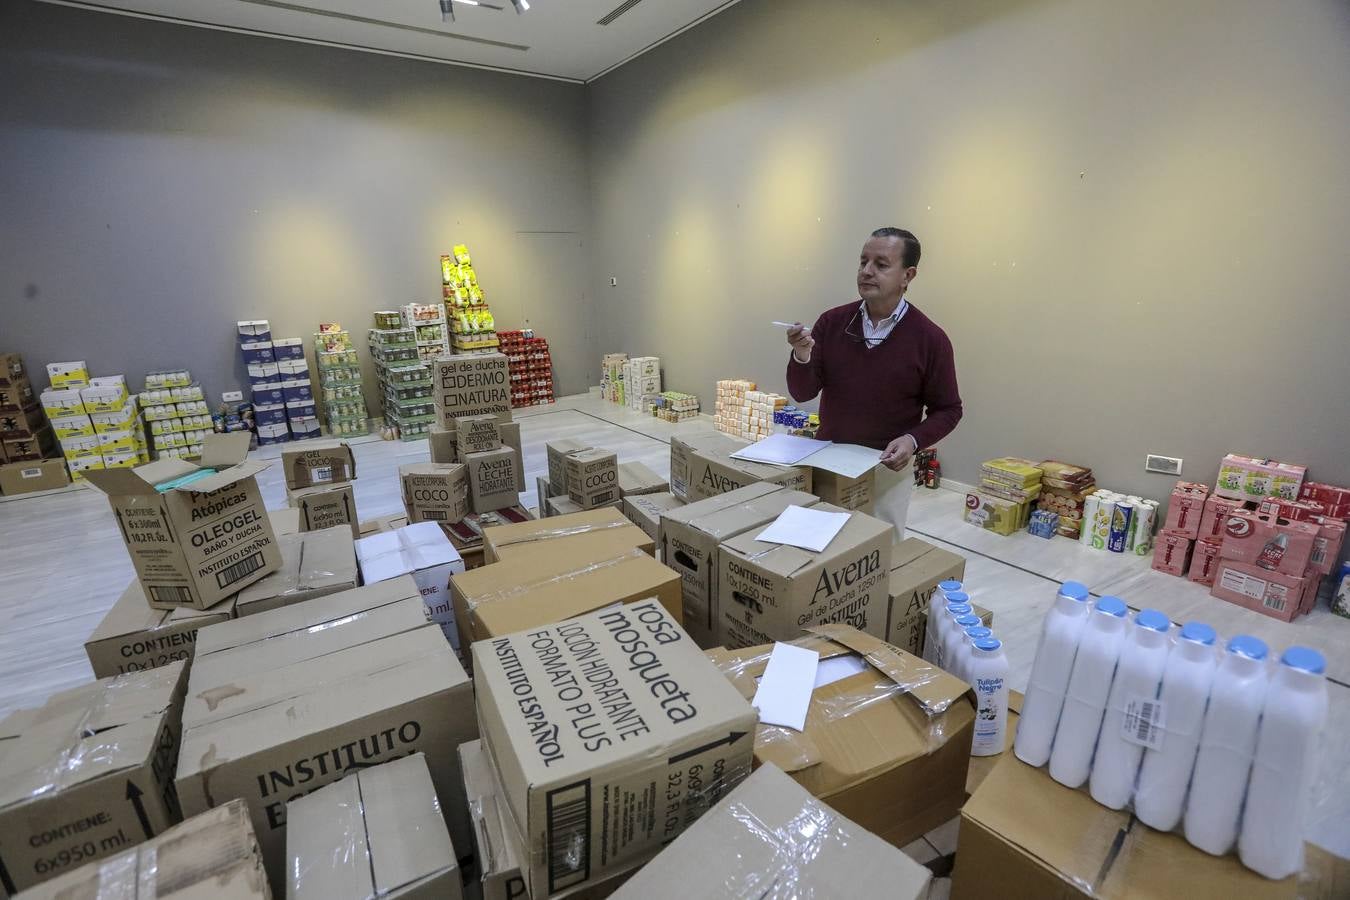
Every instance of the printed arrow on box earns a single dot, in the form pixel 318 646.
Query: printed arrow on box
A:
pixel 728 740
pixel 134 795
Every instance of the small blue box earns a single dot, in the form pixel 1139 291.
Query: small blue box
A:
pixel 297 389
pixel 263 374
pixel 268 394
pixel 305 428
pixel 270 414
pixel 258 352
pixel 288 348
pixel 253 330
pixel 301 409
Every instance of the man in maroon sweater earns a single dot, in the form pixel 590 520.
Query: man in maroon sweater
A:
pixel 884 370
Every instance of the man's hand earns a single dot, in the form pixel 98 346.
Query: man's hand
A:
pixel 897 452
pixel 799 337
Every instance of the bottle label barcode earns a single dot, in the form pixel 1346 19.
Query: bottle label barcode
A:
pixel 1143 723
pixel 178 596
pixel 246 566
pixel 434 515
pixel 569 832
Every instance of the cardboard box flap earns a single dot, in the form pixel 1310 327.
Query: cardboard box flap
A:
pixel 930 687
pixel 310 561
pixel 110 702
pixel 223 478
pixel 702 508
pixel 134 482
pixel 780 559
pixel 556 527
pixel 496 855
pixel 327 849
pixel 404 825
pixel 129 615
pixel 909 550
pixel 753 514
pixel 52 756
pixel 223 450
pixel 525 585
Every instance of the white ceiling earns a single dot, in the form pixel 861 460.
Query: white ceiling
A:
pixel 554 38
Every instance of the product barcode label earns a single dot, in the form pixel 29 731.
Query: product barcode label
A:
pixel 1276 600
pixel 179 596
pixel 569 831
pixel 246 566
pixel 321 474
pixel 434 515
pixel 1143 723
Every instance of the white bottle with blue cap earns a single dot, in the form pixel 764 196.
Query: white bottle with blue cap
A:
pixel 956 607
pixel 989 676
pixel 1049 679
pixel 954 643
pixel 1094 667
pixel 973 633
pixel 1227 746
pixel 1279 792
pixel 937 602
pixel 1166 771
pixel 1129 710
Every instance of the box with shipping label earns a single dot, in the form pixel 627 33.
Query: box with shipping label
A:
pixel 1270 593
pixel 690 538
pixel 1172 553
pixel 492 479
pixel 512 541
pixel 472 385
pixel 34 475
pixel 712 472
pixel 1213 516
pixel 17 395
pixel 571 749
pixel 682 449
pixel 1204 562
pixel 313 564
pixel 325 506
pixel 558 451
pixel 635 478
pixel 287 701
pixel 477 434
pixel 917 568
pixel 1185 508
pixel 330 462
pixel 379 833
pixel 91 774
pixel 592 477
pixel 645 511
pixel 33 448
pixel 196 533
pixel 23 423
pixel 770 592
pixel 423 551
pixel 1245 478
pixel 68 374
pixel 133 637
pixel 444 444
pixel 435 492
pixel 12 369
pixel 1271 543
pixel 887 736
pixel 756 840
pixel 846 493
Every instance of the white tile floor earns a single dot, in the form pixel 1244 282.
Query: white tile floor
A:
pixel 74 566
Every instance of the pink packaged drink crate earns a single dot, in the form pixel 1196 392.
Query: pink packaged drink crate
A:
pixel 1269 542
pixel 1298 510
pixel 1327 544
pixel 1204 562
pixel 1247 478
pixel 1185 508
pixel 1335 499
pixel 1272 594
pixel 1172 553
pixel 1215 514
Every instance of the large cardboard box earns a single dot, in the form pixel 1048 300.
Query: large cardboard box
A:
pixel 133 637
pixel 379 833
pixel 682 448
pixel 23 423
pixel 326 506
pixel 846 493
pixel 769 592
pixel 11 369
pixel 917 568
pixel 199 539
pixel 287 701
pixel 557 452
pixel 422 551
pixel 90 775
pixel 511 438
pixel 636 478
pixel 691 537
pixel 610 734
pixel 477 434
pixel 769 838
pixel 26 477
pixel 714 472
pixel 492 479
pixel 435 492
pixel 17 395
pixel 213 855
pixel 645 511
pixel 1024 836
pixel 592 477
pixel 313 564
pixel 443 442
pixel 471 385
pixel 318 463
pixel 285 520
pixel 565 506
pixel 510 541
pixel 886 743
pixel 30 448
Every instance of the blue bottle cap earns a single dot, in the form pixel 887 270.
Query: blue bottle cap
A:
pixel 958 609
pixel 957 597
pixel 1305 658
pixel 948 586
pixel 1153 620
pixel 1074 590
pixel 968 620
pixel 988 643
pixel 975 632
pixel 1248 646
pixel 1198 632
pixel 1112 606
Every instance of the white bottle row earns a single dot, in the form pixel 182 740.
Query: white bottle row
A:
pixel 1219 743
pixel 957 641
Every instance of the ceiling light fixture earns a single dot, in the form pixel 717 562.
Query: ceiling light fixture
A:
pixel 521 6
pixel 447 11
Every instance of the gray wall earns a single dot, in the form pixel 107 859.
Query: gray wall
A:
pixel 1133 214
pixel 158 183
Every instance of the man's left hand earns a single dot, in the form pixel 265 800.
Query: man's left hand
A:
pixel 898 452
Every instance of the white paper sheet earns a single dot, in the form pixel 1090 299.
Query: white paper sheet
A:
pixel 837 668
pixel 848 460
pixel 809 529
pixel 784 691
pixel 780 449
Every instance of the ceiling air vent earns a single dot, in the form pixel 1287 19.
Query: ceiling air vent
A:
pixel 618 11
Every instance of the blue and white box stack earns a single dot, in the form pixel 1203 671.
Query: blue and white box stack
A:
pixel 297 392
pixel 264 376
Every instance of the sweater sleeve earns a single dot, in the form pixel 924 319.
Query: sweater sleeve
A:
pixel 941 399
pixel 804 380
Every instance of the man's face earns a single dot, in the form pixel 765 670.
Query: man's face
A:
pixel 881 276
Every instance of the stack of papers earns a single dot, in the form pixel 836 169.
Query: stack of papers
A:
pixel 848 460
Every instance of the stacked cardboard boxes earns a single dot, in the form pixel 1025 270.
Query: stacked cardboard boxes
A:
pixel 531 367
pixel 26 437
pixel 1064 490
pixel 612 367
pixel 745 412
pixel 674 406
pixel 1002 503
pixel 98 424
pixel 641 381
pixel 319 480
pixel 133 636
pixel 177 417
pixel 646 510
pixel 404 380
pixel 701 466
pixel 424 552
pixel 472 325
pixel 431 332
pixel 339 378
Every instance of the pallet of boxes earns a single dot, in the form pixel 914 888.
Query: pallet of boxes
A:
pixel 26 437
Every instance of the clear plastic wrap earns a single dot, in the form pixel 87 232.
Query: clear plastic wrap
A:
pixel 560 577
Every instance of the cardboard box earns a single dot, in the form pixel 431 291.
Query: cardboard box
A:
pixel 511 437
pixel 557 452
pixel 17 395
pixel 564 506
pixel 1277 545
pixel 996 514
pixel 769 838
pixel 636 478
pixel 511 541
pixel 682 449
pixel 287 701
pixel 68 374
pixel 713 472
pixel 887 745
pixel 35 447
pixel 313 564
pixel 26 477
pixel 444 443
pixel 91 774
pixel 1213 516
pixel 857 494
pixel 917 568
pixel 1270 593
pixel 23 423
pixel 579 757
pixel 1245 478
pixel 325 506
pixel 770 592
pixel 11 369
pixel 592 477
pixel 285 520
pixel 379 833
pixel 645 510
pixel 1172 553
pixel 492 479
pixel 212 855
pixel 423 551
pixel 133 637
pixel 477 434
pixel 435 492
pixel 1024 836
pixel 1204 562
pixel 471 385
pixel 1185 508
pixel 558 580
pixel 202 540
pixel 1327 546
pixel 324 463
pixel 691 536
pixel 62 402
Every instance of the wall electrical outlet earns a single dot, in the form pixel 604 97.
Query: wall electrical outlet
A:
pixel 1163 465
pixel 613 282
pixel 232 396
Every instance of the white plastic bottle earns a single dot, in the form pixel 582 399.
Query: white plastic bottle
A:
pixel 956 607
pixel 954 643
pixel 937 603
pixel 1227 746
pixel 989 676
pixel 1138 675
pixel 973 634
pixel 1166 770
pixel 1050 673
pixel 1089 687
pixel 1279 792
